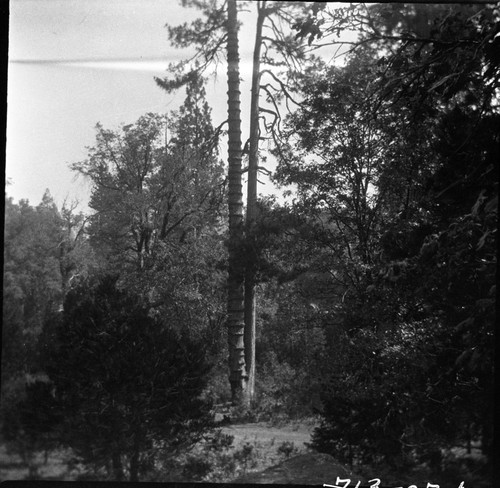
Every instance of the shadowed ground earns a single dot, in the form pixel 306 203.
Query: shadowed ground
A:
pixel 304 469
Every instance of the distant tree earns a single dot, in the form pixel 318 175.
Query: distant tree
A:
pixel 31 260
pixel 157 191
pixel 76 258
pixel 127 387
pixel 44 249
pixel 156 181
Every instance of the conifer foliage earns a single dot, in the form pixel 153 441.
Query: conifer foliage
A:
pixel 128 387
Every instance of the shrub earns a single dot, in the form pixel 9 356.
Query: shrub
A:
pixel 286 448
pixel 127 386
pixel 196 468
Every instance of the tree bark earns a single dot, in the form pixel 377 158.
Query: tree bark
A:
pixel 134 459
pixel 253 165
pixel 235 298
pixel 117 466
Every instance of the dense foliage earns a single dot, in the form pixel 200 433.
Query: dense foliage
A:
pixel 375 275
pixel 395 158
pixel 129 387
pixel 157 189
pixel 157 199
pixel 45 252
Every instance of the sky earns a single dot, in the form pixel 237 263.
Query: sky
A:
pixel 74 63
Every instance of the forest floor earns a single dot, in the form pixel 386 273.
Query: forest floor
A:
pixel 259 453
pixel 265 454
pixel 282 455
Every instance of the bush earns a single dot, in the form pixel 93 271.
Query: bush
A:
pixel 196 468
pixel 127 386
pixel 246 456
pixel 286 448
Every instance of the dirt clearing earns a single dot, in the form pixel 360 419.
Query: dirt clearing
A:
pixel 299 434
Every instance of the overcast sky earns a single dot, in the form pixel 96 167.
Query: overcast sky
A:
pixel 73 63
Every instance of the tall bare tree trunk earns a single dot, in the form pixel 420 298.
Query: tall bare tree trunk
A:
pixel 253 165
pixel 235 299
